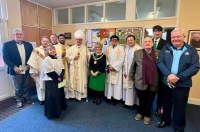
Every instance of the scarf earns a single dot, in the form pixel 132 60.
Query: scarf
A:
pixel 149 68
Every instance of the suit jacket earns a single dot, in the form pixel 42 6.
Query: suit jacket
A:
pixel 161 43
pixel 136 73
pixel 12 57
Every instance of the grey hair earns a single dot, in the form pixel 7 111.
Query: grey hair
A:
pixel 17 30
pixel 45 37
pixel 179 30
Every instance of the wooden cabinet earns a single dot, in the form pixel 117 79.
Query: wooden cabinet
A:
pixel 29 13
pixel 36 21
pixel 45 17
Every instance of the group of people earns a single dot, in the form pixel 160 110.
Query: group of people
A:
pixel 132 74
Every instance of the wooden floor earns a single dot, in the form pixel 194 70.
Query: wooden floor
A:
pixel 8 108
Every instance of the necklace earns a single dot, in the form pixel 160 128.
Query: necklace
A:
pixel 95 62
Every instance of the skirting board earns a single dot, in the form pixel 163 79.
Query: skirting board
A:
pixel 194 101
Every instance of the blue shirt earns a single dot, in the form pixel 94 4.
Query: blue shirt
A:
pixel 176 58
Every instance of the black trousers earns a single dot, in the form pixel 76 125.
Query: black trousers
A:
pixel 177 98
pixel 63 102
pixel 146 98
pixel 159 96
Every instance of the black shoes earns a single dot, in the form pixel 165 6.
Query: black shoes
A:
pixel 158 112
pixel 19 104
pixel 97 101
pixel 41 102
pixel 162 124
pixel 179 130
pixel 28 100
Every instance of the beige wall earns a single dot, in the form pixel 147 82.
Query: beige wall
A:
pixel 14 16
pixel 72 28
pixel 189 20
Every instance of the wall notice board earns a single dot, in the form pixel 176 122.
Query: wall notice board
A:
pixel 102 36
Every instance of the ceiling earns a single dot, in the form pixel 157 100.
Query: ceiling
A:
pixel 63 3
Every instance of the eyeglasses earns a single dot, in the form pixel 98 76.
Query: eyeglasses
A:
pixel 19 34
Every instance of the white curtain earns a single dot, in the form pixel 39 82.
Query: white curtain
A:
pixel 7 89
pixel 3 27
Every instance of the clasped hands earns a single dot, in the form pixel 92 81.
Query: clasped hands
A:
pixel 18 71
pixel 172 79
pixel 94 73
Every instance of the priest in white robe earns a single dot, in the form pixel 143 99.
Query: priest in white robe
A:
pixel 77 56
pixel 35 63
pixel 61 49
pixel 115 58
pixel 129 92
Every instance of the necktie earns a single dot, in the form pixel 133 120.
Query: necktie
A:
pixel 154 45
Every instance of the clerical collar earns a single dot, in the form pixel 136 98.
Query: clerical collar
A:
pixel 78 46
pixel 53 56
pixel 54 43
pixel 176 48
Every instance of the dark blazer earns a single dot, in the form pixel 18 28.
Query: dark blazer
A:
pixel 161 43
pixel 11 54
pixel 136 71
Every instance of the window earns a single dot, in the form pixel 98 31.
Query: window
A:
pixel 62 16
pixel 3 27
pixel 115 11
pixel 144 9
pixel 78 14
pixel 163 10
pixel 95 13
pixel 155 9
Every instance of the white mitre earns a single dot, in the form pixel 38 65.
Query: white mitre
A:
pixel 79 34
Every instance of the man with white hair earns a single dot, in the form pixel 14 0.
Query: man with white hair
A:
pixel 77 56
pixel 195 41
pixel 16 53
pixel 178 62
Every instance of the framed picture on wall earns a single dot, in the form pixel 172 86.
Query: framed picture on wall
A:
pixel 68 35
pixel 194 38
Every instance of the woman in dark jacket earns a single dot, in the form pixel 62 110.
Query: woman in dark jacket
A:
pixel 97 68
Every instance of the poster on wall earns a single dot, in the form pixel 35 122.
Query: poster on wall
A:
pixel 124 32
pixel 102 35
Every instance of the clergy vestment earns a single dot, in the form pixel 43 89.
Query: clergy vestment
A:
pixel 35 63
pixel 53 98
pixel 78 71
pixel 129 93
pixel 115 57
pixel 60 49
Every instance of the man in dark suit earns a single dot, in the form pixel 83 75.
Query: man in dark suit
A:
pixel 16 54
pixel 159 43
